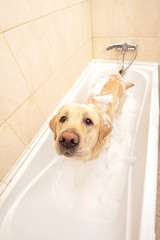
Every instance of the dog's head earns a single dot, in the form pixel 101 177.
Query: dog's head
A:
pixel 78 130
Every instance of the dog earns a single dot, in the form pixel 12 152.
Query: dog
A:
pixel 81 130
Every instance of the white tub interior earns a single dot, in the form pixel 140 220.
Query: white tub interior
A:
pixel 49 198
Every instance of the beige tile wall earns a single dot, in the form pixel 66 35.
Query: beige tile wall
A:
pixel 44 46
pixel 126 20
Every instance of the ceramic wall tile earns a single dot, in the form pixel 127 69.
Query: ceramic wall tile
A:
pixel 86 19
pixel 14 13
pixel 148 19
pixel 26 121
pixel 81 24
pixel 145 52
pixel 58 34
pixel 31 53
pixel 38 58
pixel 123 18
pixel 99 48
pixel 10 149
pixel 80 60
pixel 74 2
pixel 42 7
pixel 65 45
pixel 50 94
pixel 13 88
pixel 127 20
pixel 101 15
pixel 40 47
pixel 1 121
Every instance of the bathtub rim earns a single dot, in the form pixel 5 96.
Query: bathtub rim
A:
pixel 148 218
pixel 28 150
pixel 45 132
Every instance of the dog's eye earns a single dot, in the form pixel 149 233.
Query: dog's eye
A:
pixel 63 119
pixel 88 121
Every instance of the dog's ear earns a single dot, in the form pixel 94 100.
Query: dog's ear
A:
pixel 52 125
pixel 105 126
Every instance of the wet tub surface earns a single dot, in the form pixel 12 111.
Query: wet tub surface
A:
pixel 112 197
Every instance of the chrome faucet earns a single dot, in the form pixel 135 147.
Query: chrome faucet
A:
pixel 124 47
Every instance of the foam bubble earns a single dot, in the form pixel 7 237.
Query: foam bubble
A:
pixel 94 190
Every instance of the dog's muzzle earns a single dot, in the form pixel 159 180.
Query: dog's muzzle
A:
pixel 68 141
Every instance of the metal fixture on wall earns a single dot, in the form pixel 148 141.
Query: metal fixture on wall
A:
pixel 124 47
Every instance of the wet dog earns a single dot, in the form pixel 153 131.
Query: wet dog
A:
pixel 81 130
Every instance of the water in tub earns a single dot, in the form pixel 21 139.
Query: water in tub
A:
pixel 76 200
pixel 94 190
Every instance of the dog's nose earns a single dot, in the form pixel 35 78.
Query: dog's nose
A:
pixel 68 139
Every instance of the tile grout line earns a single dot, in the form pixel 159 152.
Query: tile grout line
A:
pixel 25 158
pixel 5 122
pixel 91 28
pixel 20 73
pixel 68 59
pixel 127 37
pixel 3 190
pixel 32 91
pixel 52 75
pixel 41 17
pixel 10 169
pixel 27 145
pixel 1 181
pixel 39 106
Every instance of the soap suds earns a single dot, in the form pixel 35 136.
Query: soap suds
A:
pixel 106 120
pixel 94 190
pixel 103 101
pixel 97 86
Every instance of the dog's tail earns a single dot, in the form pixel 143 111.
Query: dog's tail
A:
pixel 128 85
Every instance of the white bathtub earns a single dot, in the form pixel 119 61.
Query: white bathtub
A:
pixel 28 209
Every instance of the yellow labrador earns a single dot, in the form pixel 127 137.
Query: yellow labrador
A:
pixel 81 130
